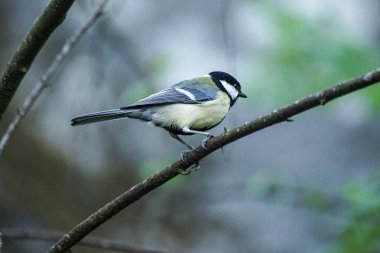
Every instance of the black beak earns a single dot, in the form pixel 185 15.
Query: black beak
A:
pixel 242 95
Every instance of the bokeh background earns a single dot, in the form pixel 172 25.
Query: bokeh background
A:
pixel 312 185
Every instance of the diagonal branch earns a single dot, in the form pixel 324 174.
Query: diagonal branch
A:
pixel 52 16
pixel 48 76
pixel 139 190
pixel 8 234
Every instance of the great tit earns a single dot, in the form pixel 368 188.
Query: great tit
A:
pixel 188 107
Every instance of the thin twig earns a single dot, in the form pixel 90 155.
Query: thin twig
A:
pixel 52 16
pixel 127 198
pixel 48 76
pixel 53 235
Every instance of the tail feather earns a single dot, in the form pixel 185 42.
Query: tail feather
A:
pixel 99 116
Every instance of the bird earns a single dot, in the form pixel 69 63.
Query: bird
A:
pixel 189 107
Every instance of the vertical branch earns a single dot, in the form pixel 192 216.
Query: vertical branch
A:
pixel 47 77
pixel 43 27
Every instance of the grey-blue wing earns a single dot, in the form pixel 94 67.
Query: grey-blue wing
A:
pixel 175 94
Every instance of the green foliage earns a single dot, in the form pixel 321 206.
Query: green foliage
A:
pixel 361 233
pixel 265 186
pixel 156 66
pixel 303 56
pixel 356 208
pixel 135 92
pixel 317 200
pixel 159 64
pixel 306 56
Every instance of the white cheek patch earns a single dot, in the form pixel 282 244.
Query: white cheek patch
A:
pixel 234 93
pixel 186 93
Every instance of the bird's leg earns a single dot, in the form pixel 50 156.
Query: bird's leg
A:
pixel 180 140
pixel 183 153
pixel 204 142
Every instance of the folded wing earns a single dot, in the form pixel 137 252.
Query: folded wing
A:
pixel 173 95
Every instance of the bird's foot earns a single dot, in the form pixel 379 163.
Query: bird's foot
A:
pixel 187 171
pixel 204 142
pixel 183 154
pixel 192 168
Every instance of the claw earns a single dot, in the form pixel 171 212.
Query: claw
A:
pixel 183 153
pixel 195 167
pixel 187 171
pixel 204 142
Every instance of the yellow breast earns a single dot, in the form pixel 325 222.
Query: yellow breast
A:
pixel 194 116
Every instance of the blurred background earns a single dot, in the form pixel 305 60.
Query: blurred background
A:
pixel 311 185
